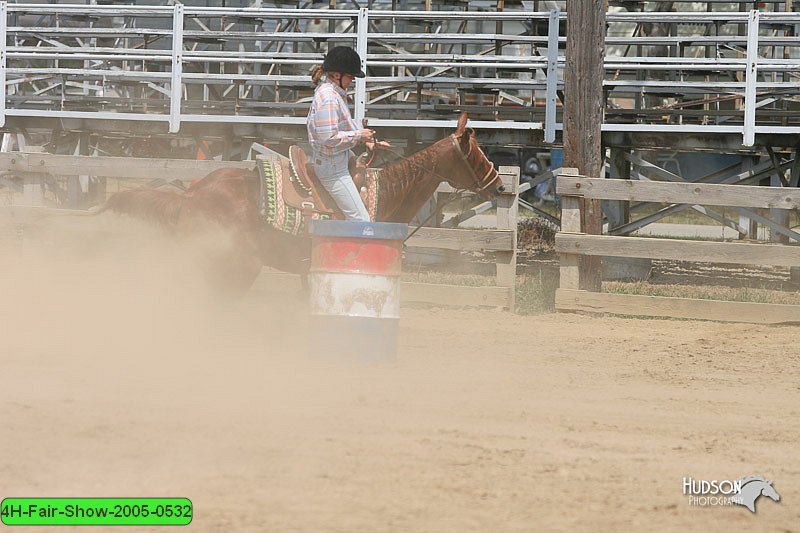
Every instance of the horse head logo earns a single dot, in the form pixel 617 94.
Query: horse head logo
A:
pixel 752 488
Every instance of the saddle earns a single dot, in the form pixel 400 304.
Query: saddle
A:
pixel 291 195
pixel 307 193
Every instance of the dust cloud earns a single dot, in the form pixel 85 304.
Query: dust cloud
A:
pixel 122 376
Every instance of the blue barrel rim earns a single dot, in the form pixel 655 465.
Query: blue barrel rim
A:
pixel 394 231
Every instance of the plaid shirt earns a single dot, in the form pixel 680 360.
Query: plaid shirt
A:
pixel 331 130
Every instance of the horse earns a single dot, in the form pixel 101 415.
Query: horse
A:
pixel 229 199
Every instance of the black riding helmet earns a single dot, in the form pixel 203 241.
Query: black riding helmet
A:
pixel 345 60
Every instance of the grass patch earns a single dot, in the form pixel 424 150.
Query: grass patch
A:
pixel 704 292
pixel 455 208
pixel 686 238
pixel 690 216
pixel 687 216
pixel 446 278
pixel 535 294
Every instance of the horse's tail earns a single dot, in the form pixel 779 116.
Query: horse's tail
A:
pixel 157 207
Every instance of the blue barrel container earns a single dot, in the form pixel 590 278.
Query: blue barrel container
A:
pixel 355 288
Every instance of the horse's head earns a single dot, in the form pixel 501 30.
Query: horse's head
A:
pixel 466 166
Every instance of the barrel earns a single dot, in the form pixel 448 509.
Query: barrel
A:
pixel 355 288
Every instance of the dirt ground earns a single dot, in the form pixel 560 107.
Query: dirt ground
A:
pixel 120 379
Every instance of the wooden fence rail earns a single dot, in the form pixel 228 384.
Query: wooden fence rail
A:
pixel 572 244
pixel 679 193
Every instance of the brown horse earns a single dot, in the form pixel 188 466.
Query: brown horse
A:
pixel 228 199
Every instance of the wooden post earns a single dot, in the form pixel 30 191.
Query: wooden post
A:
pixel 498 29
pixel 569 271
pixel 583 111
pixel 746 222
pixel 78 185
pixel 618 211
pixel 507 220
pixel 779 216
pixel 33 184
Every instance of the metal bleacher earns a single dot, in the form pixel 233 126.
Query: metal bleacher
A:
pixel 690 68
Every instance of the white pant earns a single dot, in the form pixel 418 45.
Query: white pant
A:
pixel 334 175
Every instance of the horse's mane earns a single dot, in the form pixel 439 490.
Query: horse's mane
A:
pixel 408 167
pixel 421 162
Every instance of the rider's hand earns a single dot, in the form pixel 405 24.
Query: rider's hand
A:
pixel 372 145
pixel 367 136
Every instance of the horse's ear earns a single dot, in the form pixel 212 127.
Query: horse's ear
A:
pixel 465 138
pixel 462 123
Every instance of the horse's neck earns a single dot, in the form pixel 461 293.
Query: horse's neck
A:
pixel 405 186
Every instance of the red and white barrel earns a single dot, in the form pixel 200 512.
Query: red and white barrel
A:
pixel 355 287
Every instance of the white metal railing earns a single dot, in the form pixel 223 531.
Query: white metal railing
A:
pixel 57 70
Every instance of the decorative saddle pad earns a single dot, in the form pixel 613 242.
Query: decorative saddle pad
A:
pixel 284 198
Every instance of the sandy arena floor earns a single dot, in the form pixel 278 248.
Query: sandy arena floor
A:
pixel 118 380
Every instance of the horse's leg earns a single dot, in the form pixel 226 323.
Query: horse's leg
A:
pixel 241 277
pixel 244 264
pixel 305 266
pixel 287 253
pixel 227 257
